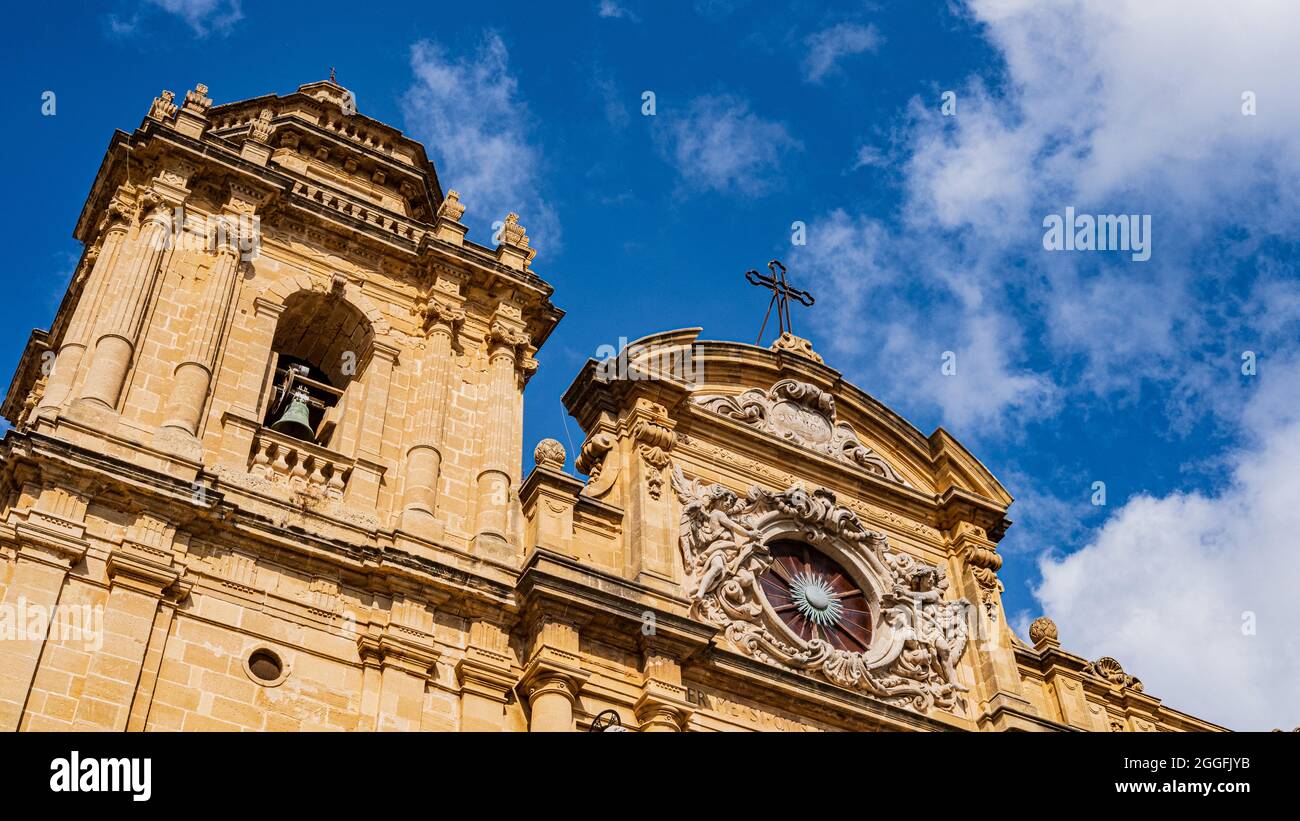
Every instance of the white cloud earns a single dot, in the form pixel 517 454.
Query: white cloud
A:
pixel 1130 106
pixel 202 16
pixel 719 144
pixel 467 110
pixel 1167 585
pixel 869 156
pixel 828 46
pixel 615 11
pixel 890 306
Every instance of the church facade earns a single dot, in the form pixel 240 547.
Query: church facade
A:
pixel 265 473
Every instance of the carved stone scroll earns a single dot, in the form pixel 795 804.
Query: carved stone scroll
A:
pixel 804 415
pixel 917 636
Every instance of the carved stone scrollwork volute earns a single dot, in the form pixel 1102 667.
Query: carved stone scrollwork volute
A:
pixel 804 415
pixel 980 553
pixel 502 337
pixel 600 461
pixel 916 635
pixel 1109 669
pixel 654 442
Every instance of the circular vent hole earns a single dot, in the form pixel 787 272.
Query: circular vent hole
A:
pixel 265 665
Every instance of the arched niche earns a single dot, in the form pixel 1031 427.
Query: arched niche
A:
pixel 327 339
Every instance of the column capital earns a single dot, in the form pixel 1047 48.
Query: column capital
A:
pixel 146 576
pixel 548 674
pixel 663 707
pixel 388 650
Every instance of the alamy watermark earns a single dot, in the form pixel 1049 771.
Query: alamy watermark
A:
pixel 1103 232
pixel 22 620
pixel 637 362
pixel 197 232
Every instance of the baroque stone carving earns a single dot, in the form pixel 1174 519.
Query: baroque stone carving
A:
pixel 197 100
pixel 804 415
pixel 1110 670
pixel 797 345
pixel 163 107
pixel 260 130
pixel 1043 631
pixel 917 638
pixel 549 453
pixel 654 441
pixel 451 207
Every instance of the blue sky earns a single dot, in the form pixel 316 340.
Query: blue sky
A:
pixel 924 235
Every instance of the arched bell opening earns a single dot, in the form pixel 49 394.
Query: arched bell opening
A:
pixel 320 350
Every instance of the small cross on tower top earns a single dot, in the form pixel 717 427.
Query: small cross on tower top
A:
pixel 782 291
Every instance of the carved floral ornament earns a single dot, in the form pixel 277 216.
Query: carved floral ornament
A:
pixel 804 415
pixel 798 581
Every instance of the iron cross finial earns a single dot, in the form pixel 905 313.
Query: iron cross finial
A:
pixel 781 293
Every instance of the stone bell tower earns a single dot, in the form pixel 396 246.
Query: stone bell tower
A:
pixel 278 326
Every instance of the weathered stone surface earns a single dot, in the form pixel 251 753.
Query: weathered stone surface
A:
pixel 201 567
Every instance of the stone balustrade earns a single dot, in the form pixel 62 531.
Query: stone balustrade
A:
pixel 299 464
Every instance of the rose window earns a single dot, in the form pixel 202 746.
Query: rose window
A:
pixel 816 598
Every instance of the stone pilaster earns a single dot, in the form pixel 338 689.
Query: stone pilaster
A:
pixel 141 576
pixel 398 662
pixel 486 678
pixel 549 496
pixel 121 318
pixel 363 487
pixel 76 337
pixel 506 343
pixel 993 657
pixel 193 376
pixel 662 706
pixel 650 530
pixel 424 454
pixel 553 677
pixel 51 540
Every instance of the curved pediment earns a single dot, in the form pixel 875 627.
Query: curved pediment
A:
pixel 721 393
pixel 802 414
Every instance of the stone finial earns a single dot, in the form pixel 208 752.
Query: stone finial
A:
pixel 260 131
pixel 164 107
pixel 451 207
pixel 513 250
pixel 549 453
pixel 1043 633
pixel 197 100
pixel 512 233
pixel 797 345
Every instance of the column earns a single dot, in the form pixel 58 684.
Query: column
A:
pixel 553 677
pixel 424 457
pixel 77 334
pixel 124 309
pixel 493 496
pixel 193 376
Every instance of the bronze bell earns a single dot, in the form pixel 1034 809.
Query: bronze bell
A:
pixel 296 419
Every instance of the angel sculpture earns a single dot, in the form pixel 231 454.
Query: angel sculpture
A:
pixel 939 631
pixel 715 544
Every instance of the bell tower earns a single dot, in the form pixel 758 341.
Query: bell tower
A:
pixel 278 325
